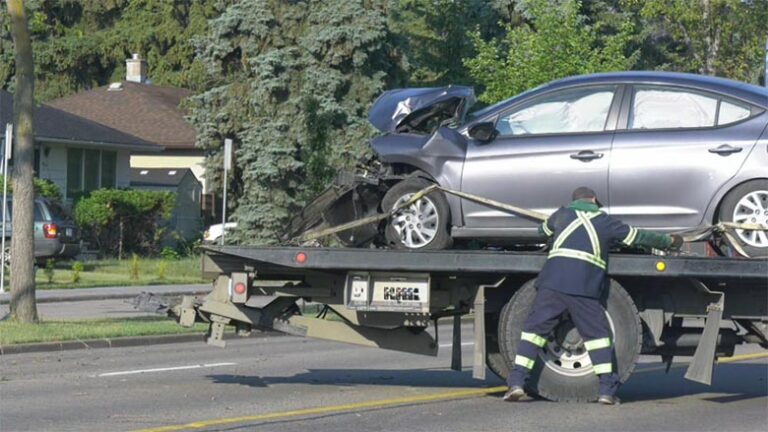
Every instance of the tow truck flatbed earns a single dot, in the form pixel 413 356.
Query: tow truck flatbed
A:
pixel 387 298
pixel 481 261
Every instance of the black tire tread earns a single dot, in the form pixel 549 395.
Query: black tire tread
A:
pixel 562 394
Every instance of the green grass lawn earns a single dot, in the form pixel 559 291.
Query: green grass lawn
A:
pixel 59 331
pixel 119 273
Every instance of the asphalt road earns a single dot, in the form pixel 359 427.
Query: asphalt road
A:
pixel 167 385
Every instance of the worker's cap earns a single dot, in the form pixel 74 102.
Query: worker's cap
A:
pixel 583 192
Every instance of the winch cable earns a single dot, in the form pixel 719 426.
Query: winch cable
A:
pixel 692 235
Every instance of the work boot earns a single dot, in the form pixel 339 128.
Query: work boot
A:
pixel 608 400
pixel 514 394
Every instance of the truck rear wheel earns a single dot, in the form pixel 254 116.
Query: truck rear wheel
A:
pixel 566 374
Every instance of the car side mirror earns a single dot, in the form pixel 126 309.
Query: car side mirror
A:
pixel 483 132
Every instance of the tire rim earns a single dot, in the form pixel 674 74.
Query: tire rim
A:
pixel 752 208
pixel 416 225
pixel 565 353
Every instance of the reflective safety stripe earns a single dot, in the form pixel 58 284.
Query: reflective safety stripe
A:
pixel 591 233
pixel 582 219
pixel 603 368
pixel 524 361
pixel 566 233
pixel 630 238
pixel 577 254
pixel 596 344
pixel 534 339
pixel 546 229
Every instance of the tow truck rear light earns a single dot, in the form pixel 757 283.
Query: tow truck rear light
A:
pixel 301 257
pixel 239 287
pixel 50 231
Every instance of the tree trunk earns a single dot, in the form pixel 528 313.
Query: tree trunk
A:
pixel 23 304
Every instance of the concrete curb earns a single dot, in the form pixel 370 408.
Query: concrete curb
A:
pixel 115 296
pixel 120 342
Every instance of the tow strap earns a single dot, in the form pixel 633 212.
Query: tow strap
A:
pixel 687 235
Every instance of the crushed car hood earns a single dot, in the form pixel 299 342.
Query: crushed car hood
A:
pixel 403 110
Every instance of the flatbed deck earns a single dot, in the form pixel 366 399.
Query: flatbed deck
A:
pixel 480 262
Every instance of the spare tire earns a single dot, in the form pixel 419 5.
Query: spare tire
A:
pixel 566 374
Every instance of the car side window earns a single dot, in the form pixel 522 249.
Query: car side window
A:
pixel 569 111
pixel 732 112
pixel 668 108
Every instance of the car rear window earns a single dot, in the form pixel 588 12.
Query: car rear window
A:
pixel 732 112
pixel 57 211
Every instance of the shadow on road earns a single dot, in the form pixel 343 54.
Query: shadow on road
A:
pixel 730 383
pixel 428 377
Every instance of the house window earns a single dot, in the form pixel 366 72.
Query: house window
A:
pixel 88 170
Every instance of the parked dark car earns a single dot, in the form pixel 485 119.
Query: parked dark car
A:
pixel 56 234
pixel 665 151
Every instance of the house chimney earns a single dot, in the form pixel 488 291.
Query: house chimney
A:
pixel 136 69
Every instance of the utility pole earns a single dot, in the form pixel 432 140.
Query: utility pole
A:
pixel 765 77
pixel 6 179
pixel 224 181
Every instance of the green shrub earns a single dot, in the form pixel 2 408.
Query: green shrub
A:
pixel 48 270
pixel 43 188
pixel 77 268
pixel 124 221
pixel 169 254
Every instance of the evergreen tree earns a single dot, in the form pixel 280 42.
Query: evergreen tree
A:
pixel 293 82
pixel 83 44
pixel 434 36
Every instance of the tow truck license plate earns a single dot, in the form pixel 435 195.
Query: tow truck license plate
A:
pixel 388 292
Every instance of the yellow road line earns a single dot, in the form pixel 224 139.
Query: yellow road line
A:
pixel 391 402
pixel 331 409
pixel 743 357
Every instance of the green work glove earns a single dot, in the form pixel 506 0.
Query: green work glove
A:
pixel 677 242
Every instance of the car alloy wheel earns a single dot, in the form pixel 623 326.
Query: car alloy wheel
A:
pixel 752 208
pixel 416 225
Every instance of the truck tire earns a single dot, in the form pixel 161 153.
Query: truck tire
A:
pixel 494 359
pixel 571 379
pixel 748 203
pixel 422 225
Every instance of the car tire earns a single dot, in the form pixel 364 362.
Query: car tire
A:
pixel 556 383
pixel 405 230
pixel 736 207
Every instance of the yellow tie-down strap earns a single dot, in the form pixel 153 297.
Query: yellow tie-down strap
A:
pixel 722 228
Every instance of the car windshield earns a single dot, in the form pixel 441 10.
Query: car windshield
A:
pixel 491 108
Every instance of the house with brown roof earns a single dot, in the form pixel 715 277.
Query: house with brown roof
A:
pixel 77 154
pixel 150 112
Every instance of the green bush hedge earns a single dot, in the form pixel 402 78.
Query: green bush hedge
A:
pixel 119 221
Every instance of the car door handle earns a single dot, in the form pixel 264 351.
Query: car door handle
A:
pixel 725 150
pixel 586 155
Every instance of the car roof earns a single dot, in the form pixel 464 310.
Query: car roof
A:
pixel 752 93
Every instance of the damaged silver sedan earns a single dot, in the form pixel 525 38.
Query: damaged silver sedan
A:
pixel 664 151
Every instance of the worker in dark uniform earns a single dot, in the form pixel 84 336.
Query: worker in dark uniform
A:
pixel 573 280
